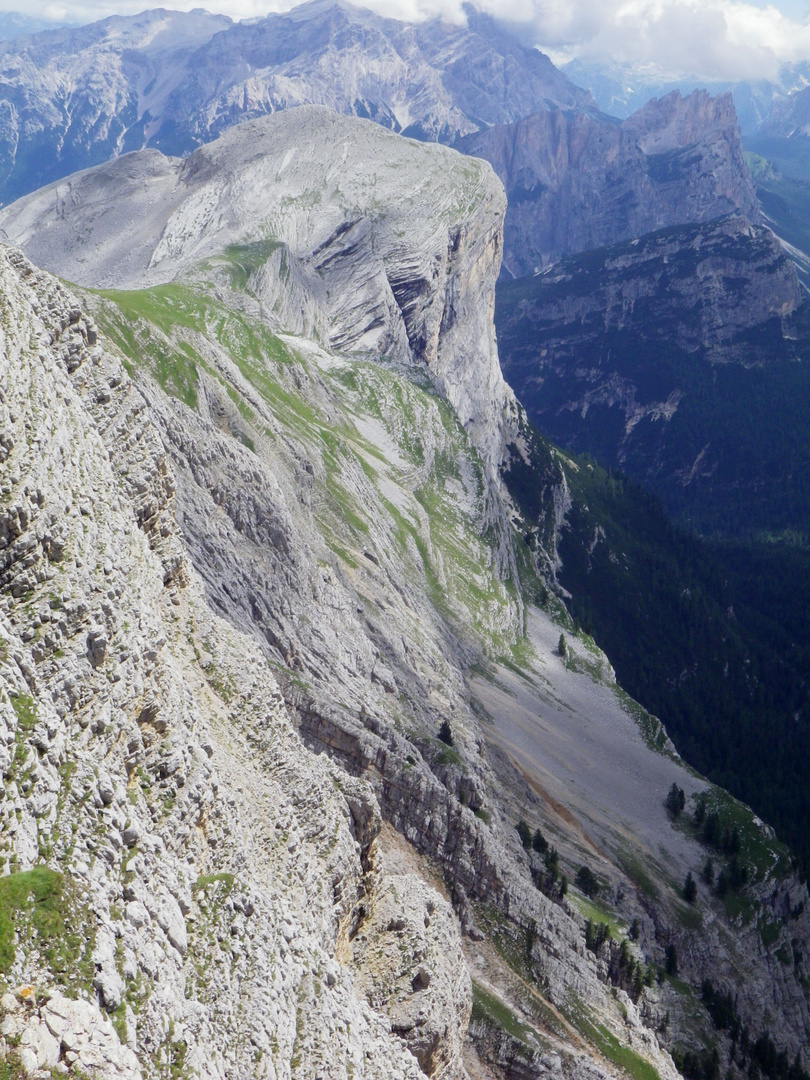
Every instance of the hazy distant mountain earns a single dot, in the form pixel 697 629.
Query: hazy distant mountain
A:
pixel 620 89
pixel 790 117
pixel 171 80
pixel 14 24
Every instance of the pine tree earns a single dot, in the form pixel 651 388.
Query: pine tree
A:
pixel 689 889
pixel 539 843
pixel 675 800
pixel 525 834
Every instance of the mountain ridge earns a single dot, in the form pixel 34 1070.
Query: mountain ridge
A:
pixel 99 98
pixel 575 182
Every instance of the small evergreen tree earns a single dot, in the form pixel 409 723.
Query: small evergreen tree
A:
pixel 596 934
pixel 586 881
pixel 689 889
pixel 539 843
pixel 675 800
pixel 707 873
pixel 525 834
pixel 562 646
pixel 712 831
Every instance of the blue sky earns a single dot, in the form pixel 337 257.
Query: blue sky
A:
pixel 714 39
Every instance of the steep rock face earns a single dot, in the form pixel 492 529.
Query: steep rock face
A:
pixel 576 181
pixel 74 98
pixel 651 354
pixel 619 89
pixel 169 808
pixel 401 258
pixel 218 875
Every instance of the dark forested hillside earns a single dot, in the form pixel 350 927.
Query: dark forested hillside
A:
pixel 711 639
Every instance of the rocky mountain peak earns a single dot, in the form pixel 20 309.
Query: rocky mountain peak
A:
pixel 673 122
pixel 577 181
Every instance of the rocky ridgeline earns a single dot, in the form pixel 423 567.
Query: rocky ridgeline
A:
pixel 400 259
pixel 576 181
pixel 201 865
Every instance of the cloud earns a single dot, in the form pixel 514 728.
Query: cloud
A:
pixel 722 39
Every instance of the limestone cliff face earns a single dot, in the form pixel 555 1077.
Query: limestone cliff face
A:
pixel 576 182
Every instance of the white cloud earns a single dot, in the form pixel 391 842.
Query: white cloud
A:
pixel 724 39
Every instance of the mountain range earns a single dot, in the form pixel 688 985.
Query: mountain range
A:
pixel 313 764
pixel 620 89
pixel 172 80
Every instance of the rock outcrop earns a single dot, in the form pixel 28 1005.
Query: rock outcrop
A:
pixel 576 181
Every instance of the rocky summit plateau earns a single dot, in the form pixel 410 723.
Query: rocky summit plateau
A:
pixel 307 771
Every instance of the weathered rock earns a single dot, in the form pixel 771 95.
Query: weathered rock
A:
pixel 411 965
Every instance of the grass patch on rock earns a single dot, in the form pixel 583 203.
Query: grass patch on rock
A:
pixel 40 910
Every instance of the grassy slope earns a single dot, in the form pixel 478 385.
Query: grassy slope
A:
pixel 176 332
